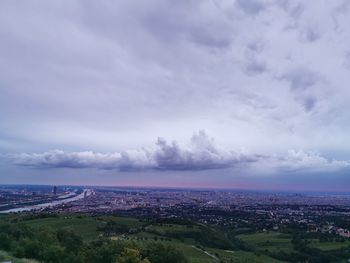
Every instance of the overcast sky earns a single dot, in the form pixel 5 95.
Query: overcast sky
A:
pixel 238 94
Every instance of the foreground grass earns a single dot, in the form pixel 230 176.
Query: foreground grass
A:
pixel 4 256
pixel 85 227
pixel 88 227
pixel 193 250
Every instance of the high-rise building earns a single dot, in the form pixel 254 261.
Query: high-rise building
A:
pixel 54 190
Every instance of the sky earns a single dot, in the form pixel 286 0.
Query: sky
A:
pixel 246 94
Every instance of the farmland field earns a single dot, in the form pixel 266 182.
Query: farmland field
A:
pixel 328 246
pixel 271 241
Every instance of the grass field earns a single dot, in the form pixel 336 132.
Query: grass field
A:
pixel 186 238
pixel 87 227
pixel 243 256
pixel 162 228
pixel 271 241
pixel 131 222
pixel 193 251
pixel 187 246
pixel 197 255
pixel 328 246
pixel 4 256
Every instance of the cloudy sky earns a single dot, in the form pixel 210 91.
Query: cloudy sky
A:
pixel 231 94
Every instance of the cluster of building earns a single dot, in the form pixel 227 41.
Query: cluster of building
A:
pixel 328 229
pixel 226 208
pixel 223 208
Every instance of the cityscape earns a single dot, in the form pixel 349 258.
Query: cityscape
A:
pixel 320 220
pixel 216 207
pixel 174 131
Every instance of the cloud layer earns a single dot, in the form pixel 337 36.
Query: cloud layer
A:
pixel 82 73
pixel 200 154
pixel 261 75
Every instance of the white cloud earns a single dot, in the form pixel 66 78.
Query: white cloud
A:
pixel 200 154
pixel 296 161
pixel 110 75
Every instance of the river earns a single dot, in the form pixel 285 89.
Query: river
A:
pixel 85 193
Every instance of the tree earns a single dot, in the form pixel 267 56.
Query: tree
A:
pixel 5 241
pixel 52 254
pixel 131 256
pixel 159 253
pixel 69 240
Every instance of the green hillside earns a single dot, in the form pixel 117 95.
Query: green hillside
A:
pixel 85 238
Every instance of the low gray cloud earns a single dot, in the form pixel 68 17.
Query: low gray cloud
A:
pixel 309 103
pixel 251 7
pixel 255 67
pixel 308 87
pixel 293 8
pixel 201 153
pixel 309 35
pixel 301 79
pixel 347 60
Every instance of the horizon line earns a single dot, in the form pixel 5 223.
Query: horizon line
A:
pixel 188 188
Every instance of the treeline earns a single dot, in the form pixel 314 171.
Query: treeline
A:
pixel 65 246
pixel 304 252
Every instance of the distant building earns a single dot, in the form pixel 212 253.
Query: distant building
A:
pixel 343 232
pixel 311 228
pixel 54 190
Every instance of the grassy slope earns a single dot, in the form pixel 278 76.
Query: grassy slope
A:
pixel 243 256
pixel 328 246
pixel 4 256
pixel 268 240
pixel 87 227
pixel 193 253
pixel 276 241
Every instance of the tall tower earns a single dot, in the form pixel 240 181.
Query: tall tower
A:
pixel 54 190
